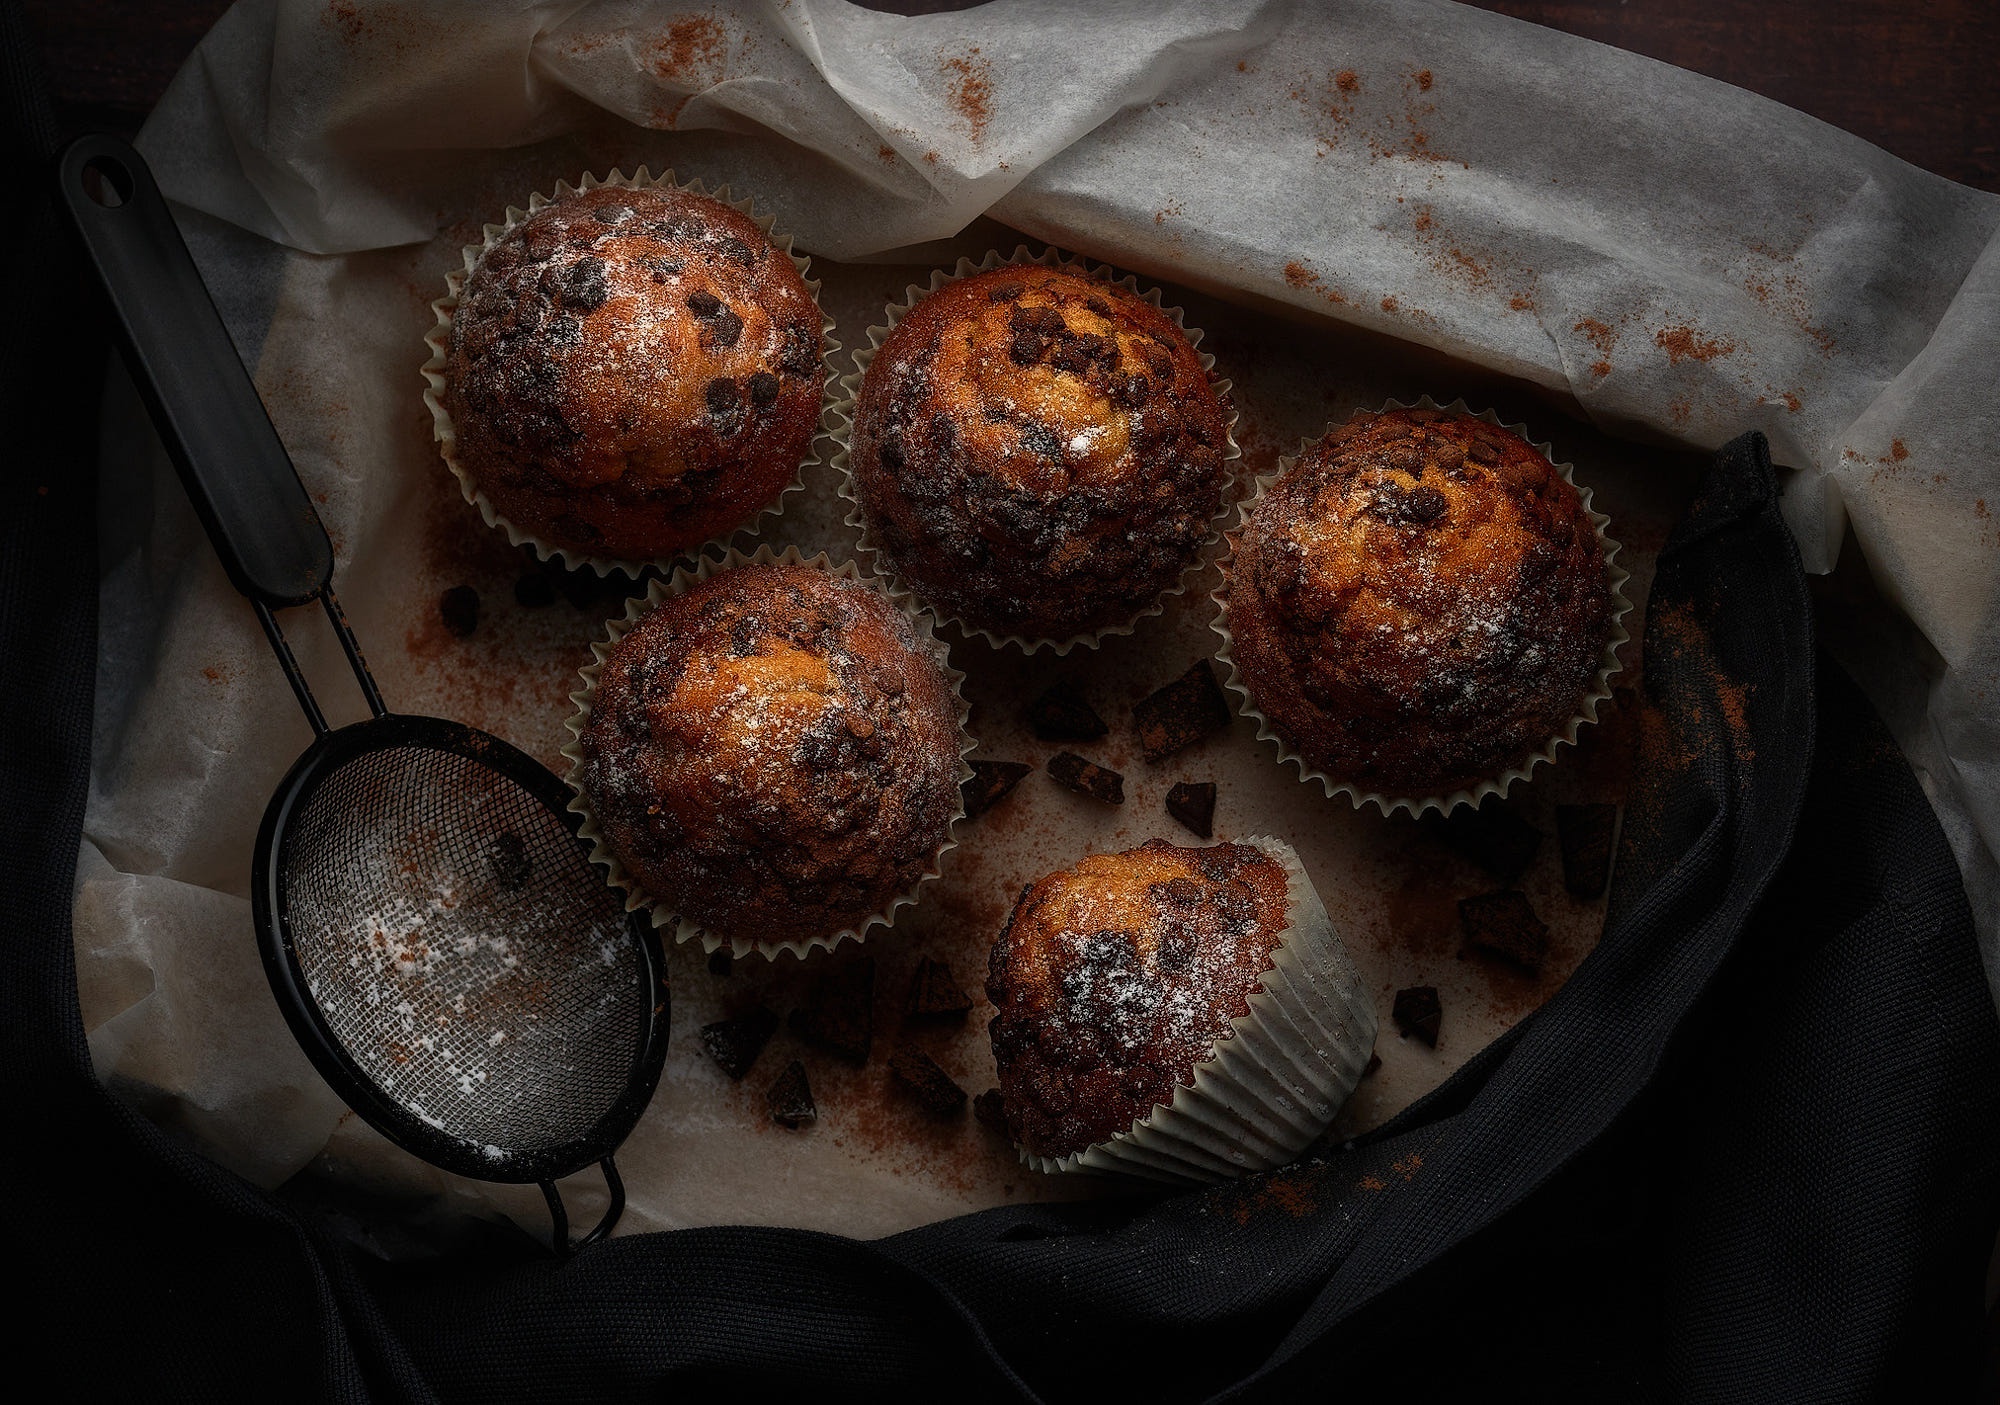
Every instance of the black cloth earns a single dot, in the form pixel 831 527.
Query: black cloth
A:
pixel 1751 1150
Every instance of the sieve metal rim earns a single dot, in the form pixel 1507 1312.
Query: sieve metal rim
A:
pixel 328 754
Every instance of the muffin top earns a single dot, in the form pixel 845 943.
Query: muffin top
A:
pixel 1038 452
pixel 632 372
pixel 1420 603
pixel 1113 979
pixel 774 754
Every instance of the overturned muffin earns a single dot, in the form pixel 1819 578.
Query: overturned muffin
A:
pixel 1115 980
pixel 1420 604
pixel 633 371
pixel 773 755
pixel 1038 452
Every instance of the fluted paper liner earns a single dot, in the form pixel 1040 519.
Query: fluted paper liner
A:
pixel 438 339
pixel 840 420
pixel 1274 1083
pixel 659 910
pixel 1598 693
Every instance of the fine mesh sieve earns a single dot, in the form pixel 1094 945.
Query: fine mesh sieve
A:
pixel 435 933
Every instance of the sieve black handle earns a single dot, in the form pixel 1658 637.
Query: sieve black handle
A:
pixel 207 412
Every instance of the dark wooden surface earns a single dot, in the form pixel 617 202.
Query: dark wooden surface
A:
pixel 1918 77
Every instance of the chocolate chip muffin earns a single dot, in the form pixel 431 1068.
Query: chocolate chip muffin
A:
pixel 1038 452
pixel 1112 980
pixel 632 372
pixel 773 755
pixel 1419 604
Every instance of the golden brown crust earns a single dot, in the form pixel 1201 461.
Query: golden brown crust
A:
pixel 633 372
pixel 1113 979
pixel 1038 452
pixel 1420 603
pixel 773 754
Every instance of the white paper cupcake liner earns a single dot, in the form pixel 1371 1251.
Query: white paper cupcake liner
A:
pixel 840 421
pixel 438 339
pixel 636 896
pixel 1598 693
pixel 1274 1083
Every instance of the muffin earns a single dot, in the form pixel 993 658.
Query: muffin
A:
pixel 1038 452
pixel 1419 604
pixel 1124 1031
pixel 631 372
pixel 772 755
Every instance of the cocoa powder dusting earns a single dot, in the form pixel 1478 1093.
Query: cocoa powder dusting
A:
pixel 693 48
pixel 1683 343
pixel 971 92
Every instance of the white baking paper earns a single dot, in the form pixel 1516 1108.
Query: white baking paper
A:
pixel 1354 200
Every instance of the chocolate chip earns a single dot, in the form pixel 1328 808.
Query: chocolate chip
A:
pixel 1180 892
pixel 1068 769
pixel 763 389
pixel 458 607
pixel 563 331
pixel 791 1099
pixel 989 1109
pixel 934 995
pixel 612 214
pixel 1041 441
pixel 1131 392
pixel 1424 505
pixel 990 783
pixel 721 961
pixel 508 857
pixel 1585 833
pixel 1418 1012
pixel 1180 714
pixel 534 590
pixel 1098 306
pixel 1493 835
pixel 735 248
pixel 1193 804
pixel 735 1044
pixel 800 354
pixel 1504 923
pixel 918 1074
pixel 723 329
pixel 1026 348
pixel 584 287
pixel 839 1015
pixel 1003 292
pixel 704 304
pixel 725 406
pixel 1061 715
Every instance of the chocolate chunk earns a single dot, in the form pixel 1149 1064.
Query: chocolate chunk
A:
pixel 1494 836
pixel 990 783
pixel 611 214
pixel 934 995
pixel 721 961
pixel 723 329
pixel 1505 924
pixel 508 857
pixel 735 1044
pixel 534 590
pixel 918 1074
pixel 839 1016
pixel 584 287
pixel 704 304
pixel 800 354
pixel 458 607
pixel 1061 715
pixel 991 1111
pixel 791 1099
pixel 763 389
pixel 1585 832
pixel 1418 1012
pixel 1180 714
pixel 1004 292
pixel 1066 768
pixel 735 248
pixel 1041 441
pixel 725 405
pixel 1193 804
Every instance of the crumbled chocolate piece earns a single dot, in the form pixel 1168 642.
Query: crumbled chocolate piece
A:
pixel 918 1074
pixel 1180 714
pixel 1061 715
pixel 1193 804
pixel 764 388
pixel 934 995
pixel 1066 768
pixel 990 783
pixel 1493 835
pixel 534 590
pixel 1417 1011
pixel 735 1044
pixel 1374 1062
pixel 791 1099
pixel 1585 833
pixel 990 1111
pixel 721 961
pixel 839 1016
pixel 1505 924
pixel 509 859
pixel 458 607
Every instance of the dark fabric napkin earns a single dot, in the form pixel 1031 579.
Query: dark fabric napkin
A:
pixel 1750 1151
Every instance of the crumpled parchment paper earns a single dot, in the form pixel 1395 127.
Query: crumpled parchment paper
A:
pixel 1354 199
